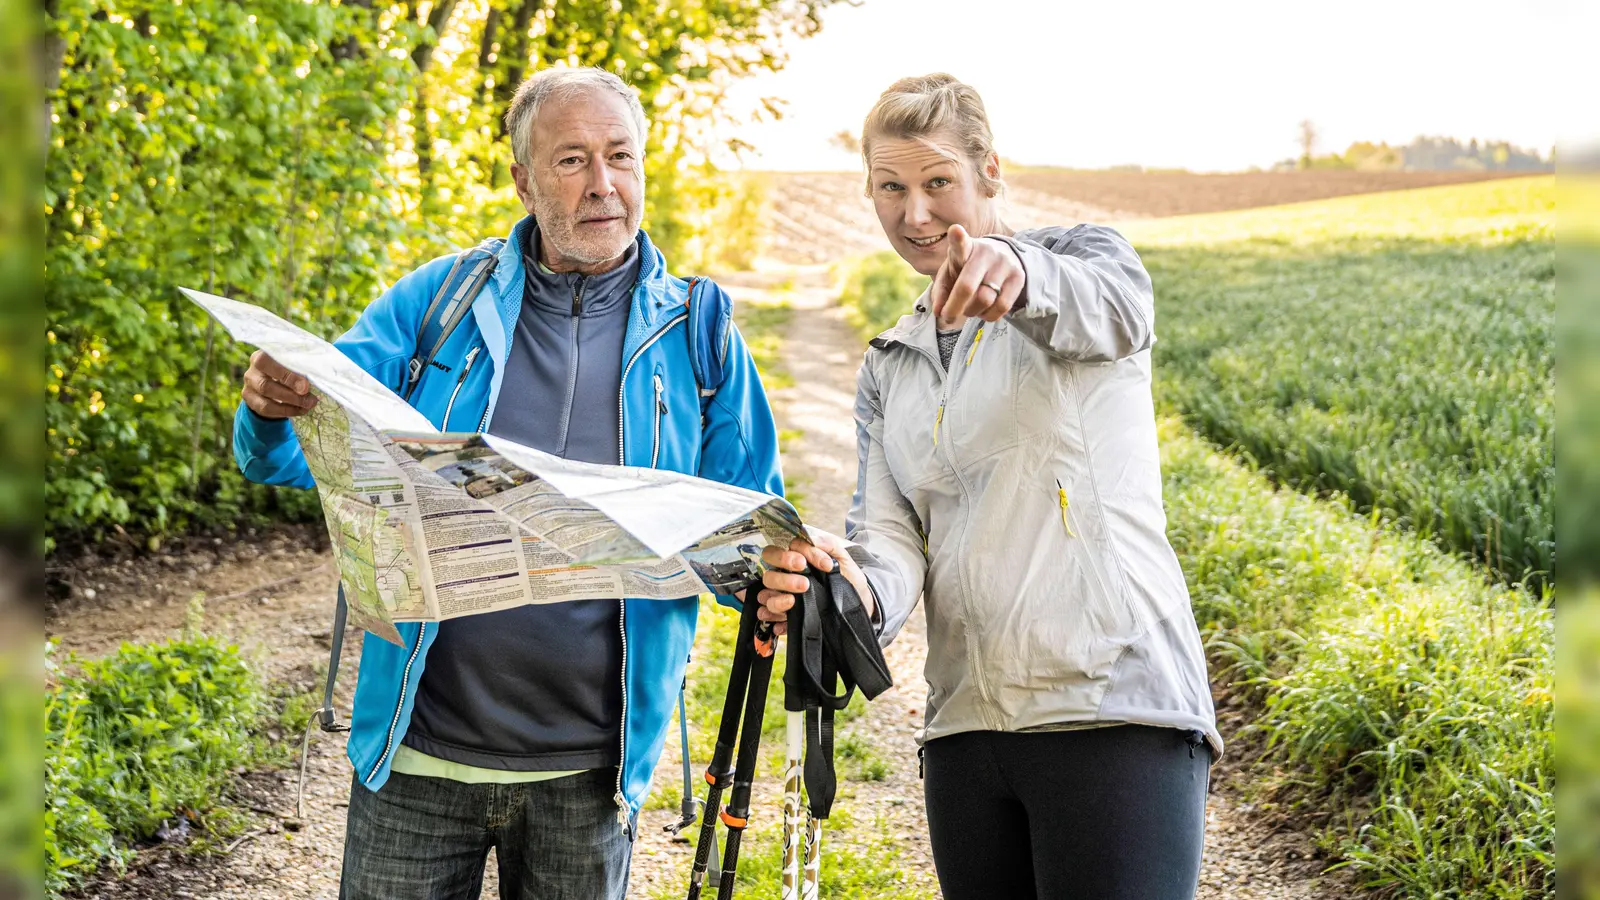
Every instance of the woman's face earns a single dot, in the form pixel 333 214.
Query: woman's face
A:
pixel 920 187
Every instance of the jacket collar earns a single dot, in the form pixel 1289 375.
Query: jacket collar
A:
pixel 915 329
pixel 654 301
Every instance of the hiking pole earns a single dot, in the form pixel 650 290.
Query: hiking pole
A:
pixel 720 772
pixel 736 816
pixel 801 856
pixel 795 734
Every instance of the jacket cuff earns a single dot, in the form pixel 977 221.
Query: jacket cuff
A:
pixel 268 431
pixel 1022 296
pixel 863 559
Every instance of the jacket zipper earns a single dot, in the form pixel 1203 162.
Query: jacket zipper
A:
pixel 622 620
pixel 948 379
pixel 661 410
pixel 405 678
pixel 472 356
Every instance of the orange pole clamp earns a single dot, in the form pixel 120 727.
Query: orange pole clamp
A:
pixel 764 645
pixel 733 821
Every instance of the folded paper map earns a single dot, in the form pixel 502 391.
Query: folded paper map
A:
pixel 429 525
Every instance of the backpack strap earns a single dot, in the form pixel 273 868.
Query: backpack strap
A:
pixel 710 312
pixel 449 306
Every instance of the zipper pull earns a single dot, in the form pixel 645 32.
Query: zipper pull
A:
pixel 661 405
pixel 975 339
pixel 471 355
pixel 937 421
pixel 1062 493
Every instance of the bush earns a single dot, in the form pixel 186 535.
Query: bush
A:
pixel 878 289
pixel 146 735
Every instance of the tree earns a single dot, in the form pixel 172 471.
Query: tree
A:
pixel 1308 142
pixel 258 148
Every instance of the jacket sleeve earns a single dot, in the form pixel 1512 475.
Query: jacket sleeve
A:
pixel 890 545
pixel 381 342
pixel 739 443
pixel 1087 297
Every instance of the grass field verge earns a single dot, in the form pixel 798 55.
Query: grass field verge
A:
pixel 1397 689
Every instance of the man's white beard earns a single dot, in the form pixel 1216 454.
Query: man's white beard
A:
pixel 558 228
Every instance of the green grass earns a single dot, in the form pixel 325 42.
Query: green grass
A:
pixel 762 325
pixel 1397 348
pixel 864 761
pixel 1578 752
pixel 151 734
pixel 877 289
pixel 1396 687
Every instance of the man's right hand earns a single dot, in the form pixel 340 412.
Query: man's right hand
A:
pixel 274 392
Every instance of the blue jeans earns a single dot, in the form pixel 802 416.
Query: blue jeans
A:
pixel 428 838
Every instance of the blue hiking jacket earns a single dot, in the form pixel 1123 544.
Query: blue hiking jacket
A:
pixel 736 442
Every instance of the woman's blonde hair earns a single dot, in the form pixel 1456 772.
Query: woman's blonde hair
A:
pixel 926 106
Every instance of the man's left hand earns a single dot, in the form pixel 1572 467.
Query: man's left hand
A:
pixel 783 581
pixel 980 278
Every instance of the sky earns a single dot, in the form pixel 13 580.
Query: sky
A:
pixel 1208 86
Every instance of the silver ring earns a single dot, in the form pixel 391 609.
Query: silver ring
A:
pixel 992 287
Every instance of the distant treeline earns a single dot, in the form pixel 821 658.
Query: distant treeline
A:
pixel 1429 154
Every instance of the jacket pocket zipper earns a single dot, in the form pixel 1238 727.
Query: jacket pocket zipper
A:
pixel 1061 494
pixel 975 339
pixel 472 356
pixel 661 410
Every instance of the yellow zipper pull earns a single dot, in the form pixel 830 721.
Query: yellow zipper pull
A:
pixel 1062 493
pixel 975 339
pixel 937 421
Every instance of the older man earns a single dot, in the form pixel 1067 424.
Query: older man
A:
pixel 534 730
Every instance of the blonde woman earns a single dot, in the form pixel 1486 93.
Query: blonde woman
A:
pixel 1009 475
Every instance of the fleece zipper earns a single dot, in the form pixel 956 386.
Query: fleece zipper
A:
pixel 572 362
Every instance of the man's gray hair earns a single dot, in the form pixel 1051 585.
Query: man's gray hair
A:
pixel 563 84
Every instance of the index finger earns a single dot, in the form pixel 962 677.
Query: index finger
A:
pixel 816 556
pixel 779 558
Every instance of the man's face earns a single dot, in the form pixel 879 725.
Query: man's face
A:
pixel 584 183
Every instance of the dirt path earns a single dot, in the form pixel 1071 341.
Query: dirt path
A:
pixel 284 627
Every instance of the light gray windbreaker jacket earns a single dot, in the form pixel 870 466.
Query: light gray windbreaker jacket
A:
pixel 1020 494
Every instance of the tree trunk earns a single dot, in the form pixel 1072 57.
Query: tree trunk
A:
pixel 49 51
pixel 422 57
pixel 515 52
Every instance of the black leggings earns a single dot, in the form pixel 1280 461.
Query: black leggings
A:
pixel 1095 814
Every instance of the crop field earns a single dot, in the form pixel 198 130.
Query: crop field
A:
pixel 1129 195
pixel 1397 348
